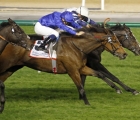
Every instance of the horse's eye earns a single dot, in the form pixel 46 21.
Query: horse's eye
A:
pixel 13 30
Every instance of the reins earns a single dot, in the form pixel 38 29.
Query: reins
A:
pixel 108 40
pixel 7 40
pixel 13 43
pixel 102 43
pixel 2 38
pixel 78 47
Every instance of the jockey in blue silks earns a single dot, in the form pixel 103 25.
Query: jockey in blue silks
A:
pixel 81 16
pixel 48 24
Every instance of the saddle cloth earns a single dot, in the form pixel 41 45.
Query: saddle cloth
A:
pixel 42 54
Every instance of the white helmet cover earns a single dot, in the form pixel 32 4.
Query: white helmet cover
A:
pixel 83 11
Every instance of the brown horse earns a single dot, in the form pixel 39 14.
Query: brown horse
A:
pixel 127 39
pixel 71 57
pixel 10 32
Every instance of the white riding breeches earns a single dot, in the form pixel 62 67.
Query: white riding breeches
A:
pixel 45 31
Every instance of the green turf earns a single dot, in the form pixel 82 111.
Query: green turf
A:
pixel 33 96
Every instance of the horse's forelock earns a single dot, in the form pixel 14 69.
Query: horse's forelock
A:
pixel 4 24
pixel 117 27
pixel 91 29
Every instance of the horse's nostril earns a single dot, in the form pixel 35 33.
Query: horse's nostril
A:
pixel 24 45
pixel 125 55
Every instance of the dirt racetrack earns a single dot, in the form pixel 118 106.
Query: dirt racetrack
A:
pixel 110 5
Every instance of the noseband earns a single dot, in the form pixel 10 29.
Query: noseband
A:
pixel 109 40
pixel 128 38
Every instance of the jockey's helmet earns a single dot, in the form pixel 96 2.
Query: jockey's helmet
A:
pixel 83 11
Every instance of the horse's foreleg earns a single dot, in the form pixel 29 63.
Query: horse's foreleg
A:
pixel 89 71
pixel 116 80
pixel 2 96
pixel 77 80
pixel 111 84
pixel 95 64
pixel 3 77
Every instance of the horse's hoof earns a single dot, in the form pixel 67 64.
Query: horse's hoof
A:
pixel 1 109
pixel 119 92
pixel 87 103
pixel 135 92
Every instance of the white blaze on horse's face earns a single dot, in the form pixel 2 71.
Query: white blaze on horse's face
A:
pixel 109 40
pixel 126 35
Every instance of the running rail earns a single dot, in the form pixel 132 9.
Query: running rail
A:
pixel 32 23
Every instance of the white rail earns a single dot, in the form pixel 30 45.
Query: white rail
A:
pixel 102 4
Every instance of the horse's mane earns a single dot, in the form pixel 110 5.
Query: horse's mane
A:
pixel 118 26
pixel 92 28
pixel 89 30
pixel 65 33
pixel 4 24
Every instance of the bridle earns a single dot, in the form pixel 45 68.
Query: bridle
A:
pixel 128 37
pixel 103 43
pixel 78 48
pixel 20 43
pixel 108 40
pixel 125 35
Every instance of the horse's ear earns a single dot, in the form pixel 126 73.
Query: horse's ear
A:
pixel 124 24
pixel 120 24
pixel 11 21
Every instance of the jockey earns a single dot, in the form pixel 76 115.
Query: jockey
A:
pixel 48 24
pixel 81 16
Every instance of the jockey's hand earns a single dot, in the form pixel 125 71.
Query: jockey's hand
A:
pixel 88 25
pixel 80 33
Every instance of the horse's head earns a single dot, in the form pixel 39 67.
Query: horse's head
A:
pixel 12 33
pixel 110 42
pixel 126 38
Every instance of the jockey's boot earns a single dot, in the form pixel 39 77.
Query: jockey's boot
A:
pixel 46 41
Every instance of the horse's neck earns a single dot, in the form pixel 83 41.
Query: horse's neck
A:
pixel 99 50
pixel 86 45
pixel 30 43
pixel 3 44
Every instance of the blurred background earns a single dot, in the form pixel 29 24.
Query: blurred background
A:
pixel 109 5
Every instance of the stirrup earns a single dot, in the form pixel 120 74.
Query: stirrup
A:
pixel 40 48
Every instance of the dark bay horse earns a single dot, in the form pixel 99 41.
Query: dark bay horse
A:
pixel 71 57
pixel 10 32
pixel 127 39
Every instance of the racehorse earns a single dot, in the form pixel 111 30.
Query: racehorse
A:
pixel 71 57
pixel 10 32
pixel 127 39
